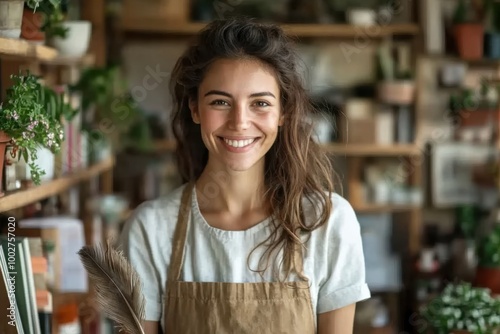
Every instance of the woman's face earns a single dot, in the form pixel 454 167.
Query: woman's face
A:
pixel 238 109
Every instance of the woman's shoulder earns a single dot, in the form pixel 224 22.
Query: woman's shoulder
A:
pixel 159 210
pixel 342 219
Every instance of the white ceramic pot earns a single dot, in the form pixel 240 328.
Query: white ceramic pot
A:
pixel 362 16
pixel 11 18
pixel 76 42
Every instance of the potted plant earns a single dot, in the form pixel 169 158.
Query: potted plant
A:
pixel 11 14
pixel 477 111
pixel 70 38
pixel 25 119
pixel 488 270
pixel 492 35
pixel 462 308
pixel 468 30
pixel 397 85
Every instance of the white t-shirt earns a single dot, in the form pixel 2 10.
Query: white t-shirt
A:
pixel 333 259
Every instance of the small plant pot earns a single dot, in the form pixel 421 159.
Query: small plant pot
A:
pixel 77 40
pixel 11 17
pixel 396 92
pixel 45 161
pixel 362 16
pixel 488 278
pixel 31 28
pixel 478 118
pixel 4 140
pixel 469 39
pixel 492 45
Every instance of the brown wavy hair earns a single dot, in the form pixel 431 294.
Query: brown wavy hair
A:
pixel 296 167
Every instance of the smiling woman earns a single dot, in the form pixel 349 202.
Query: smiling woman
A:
pixel 238 118
pixel 256 240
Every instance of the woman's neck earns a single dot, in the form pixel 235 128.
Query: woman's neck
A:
pixel 234 192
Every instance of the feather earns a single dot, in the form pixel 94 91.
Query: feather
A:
pixel 117 286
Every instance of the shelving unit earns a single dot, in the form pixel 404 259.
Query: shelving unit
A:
pixel 159 27
pixel 22 198
pixel 44 61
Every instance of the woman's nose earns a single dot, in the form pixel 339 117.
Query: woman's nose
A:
pixel 239 118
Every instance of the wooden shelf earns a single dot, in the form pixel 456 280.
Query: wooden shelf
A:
pixel 299 30
pixel 481 62
pixel 21 198
pixel 20 49
pixel 373 149
pixel 86 60
pixel 334 148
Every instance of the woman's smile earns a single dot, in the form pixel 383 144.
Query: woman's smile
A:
pixel 239 145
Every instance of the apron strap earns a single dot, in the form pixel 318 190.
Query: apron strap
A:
pixel 179 240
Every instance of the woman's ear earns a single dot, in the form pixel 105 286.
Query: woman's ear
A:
pixel 281 120
pixel 193 106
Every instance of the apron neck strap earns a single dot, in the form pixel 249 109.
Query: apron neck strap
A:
pixel 179 240
pixel 177 258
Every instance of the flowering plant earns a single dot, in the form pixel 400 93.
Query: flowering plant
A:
pixel 463 307
pixel 25 118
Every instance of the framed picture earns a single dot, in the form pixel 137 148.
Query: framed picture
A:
pixel 451 172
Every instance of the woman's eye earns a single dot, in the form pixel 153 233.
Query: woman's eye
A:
pixel 219 103
pixel 262 104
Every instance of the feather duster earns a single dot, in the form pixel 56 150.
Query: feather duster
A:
pixel 117 286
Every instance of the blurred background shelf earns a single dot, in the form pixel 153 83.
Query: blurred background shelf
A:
pixel 50 188
pixel 299 30
pixel 22 49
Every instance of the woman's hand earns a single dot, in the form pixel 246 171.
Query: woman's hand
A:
pixel 340 321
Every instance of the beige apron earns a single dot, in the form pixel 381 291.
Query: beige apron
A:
pixel 219 308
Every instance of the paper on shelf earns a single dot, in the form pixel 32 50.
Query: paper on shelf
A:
pixel 72 274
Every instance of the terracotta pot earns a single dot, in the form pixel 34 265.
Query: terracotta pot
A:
pixel 397 92
pixel 488 278
pixel 469 38
pixel 32 25
pixel 4 140
pixel 477 118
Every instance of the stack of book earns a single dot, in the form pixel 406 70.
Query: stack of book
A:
pixel 18 280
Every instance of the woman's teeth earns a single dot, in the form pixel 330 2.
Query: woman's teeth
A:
pixel 239 143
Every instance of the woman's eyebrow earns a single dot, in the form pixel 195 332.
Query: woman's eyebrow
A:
pixel 262 94
pixel 220 92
